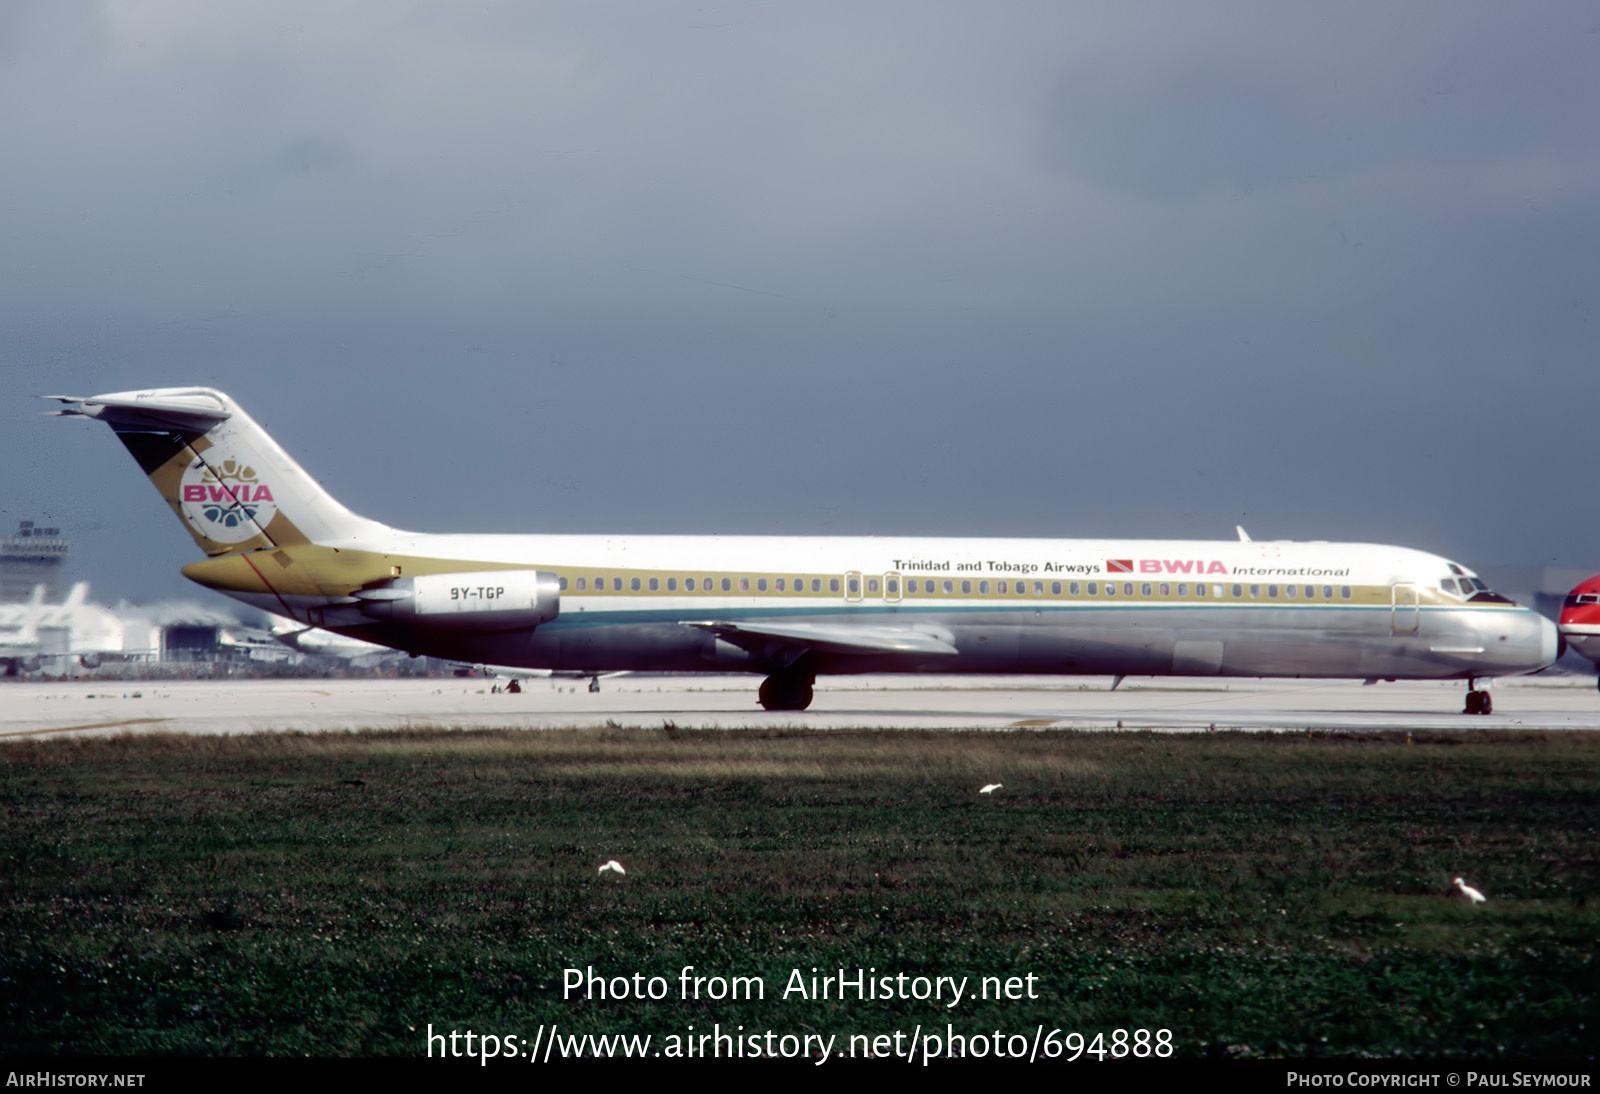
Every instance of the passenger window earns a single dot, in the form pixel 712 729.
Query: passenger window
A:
pixel 949 587
pixel 1327 592
pixel 655 584
pixel 727 584
pixel 855 586
pixel 894 587
pixel 744 584
pixel 1111 589
pixel 1144 589
pixel 1001 587
pixel 983 588
pixel 1272 591
pixel 672 584
pixel 1094 588
pixel 1255 592
pixel 966 588
pixel 633 584
pixel 816 584
pixel 1183 590
pixel 833 584
pixel 1199 588
pixel 563 584
pixel 1127 588
pixel 761 584
pixel 581 585
pixel 1238 591
pixel 779 585
pixel 1290 591
pixel 688 584
pixel 872 586
pixel 1038 588
pixel 1344 592
pixel 616 584
pixel 1311 592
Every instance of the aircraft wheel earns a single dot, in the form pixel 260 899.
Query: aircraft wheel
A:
pixel 780 692
pixel 1473 705
pixel 1486 704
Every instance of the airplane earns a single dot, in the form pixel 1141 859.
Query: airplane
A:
pixel 793 608
pixel 35 635
pixel 307 639
pixel 19 634
pixel 1580 618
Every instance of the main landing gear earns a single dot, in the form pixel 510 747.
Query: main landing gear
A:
pixel 1478 702
pixel 787 690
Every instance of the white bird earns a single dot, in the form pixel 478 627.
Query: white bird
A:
pixel 1469 892
pixel 613 865
pixel 991 788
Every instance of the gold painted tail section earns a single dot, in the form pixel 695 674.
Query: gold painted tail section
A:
pixel 228 482
pixel 226 503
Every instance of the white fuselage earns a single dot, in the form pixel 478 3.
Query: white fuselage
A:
pixel 999 605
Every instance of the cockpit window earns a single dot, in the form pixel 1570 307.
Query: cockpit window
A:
pixel 1577 599
pixel 1477 592
pixel 1449 586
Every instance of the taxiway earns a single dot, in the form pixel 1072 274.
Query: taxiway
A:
pixel 728 702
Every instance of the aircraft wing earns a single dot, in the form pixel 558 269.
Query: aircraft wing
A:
pixel 836 637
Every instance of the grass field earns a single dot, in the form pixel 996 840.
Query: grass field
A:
pixel 1256 895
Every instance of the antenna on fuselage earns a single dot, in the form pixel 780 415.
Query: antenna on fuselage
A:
pixel 1244 537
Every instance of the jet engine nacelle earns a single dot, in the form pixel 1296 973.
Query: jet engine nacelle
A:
pixel 492 600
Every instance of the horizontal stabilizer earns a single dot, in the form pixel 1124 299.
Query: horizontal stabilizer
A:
pixel 162 410
pixel 836 637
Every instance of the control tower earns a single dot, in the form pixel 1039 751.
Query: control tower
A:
pixel 32 556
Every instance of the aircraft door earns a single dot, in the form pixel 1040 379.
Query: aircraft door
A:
pixel 1405 610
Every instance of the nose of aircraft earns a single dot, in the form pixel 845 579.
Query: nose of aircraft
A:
pixel 1550 643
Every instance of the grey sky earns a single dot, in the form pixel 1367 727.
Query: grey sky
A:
pixel 925 268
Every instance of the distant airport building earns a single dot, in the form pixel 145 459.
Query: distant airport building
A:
pixel 191 642
pixel 30 557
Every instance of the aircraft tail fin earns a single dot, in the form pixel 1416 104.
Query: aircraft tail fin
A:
pixel 229 483
pixel 29 631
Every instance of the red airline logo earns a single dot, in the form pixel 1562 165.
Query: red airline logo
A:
pixel 1165 566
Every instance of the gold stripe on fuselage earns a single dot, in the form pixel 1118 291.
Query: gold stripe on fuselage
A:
pixel 315 571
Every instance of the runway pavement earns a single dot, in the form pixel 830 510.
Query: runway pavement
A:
pixel 32 710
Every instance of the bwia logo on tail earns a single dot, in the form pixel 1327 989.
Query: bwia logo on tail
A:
pixel 227 502
pixel 229 482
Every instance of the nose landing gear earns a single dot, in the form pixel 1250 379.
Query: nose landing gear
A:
pixel 1478 702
